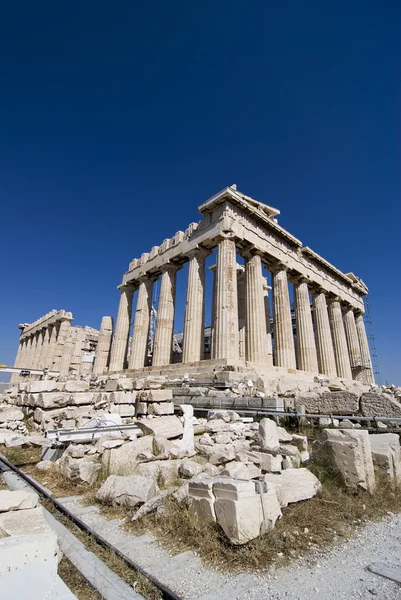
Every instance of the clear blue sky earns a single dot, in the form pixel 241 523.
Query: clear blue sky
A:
pixel 118 119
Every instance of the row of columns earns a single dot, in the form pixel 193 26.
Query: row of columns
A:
pixel 45 349
pixel 330 339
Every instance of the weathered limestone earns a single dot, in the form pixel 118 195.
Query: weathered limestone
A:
pixel 163 345
pixel 127 490
pixel 324 343
pixel 68 350
pixel 366 363
pixel 268 435
pixel 120 340
pixel 386 454
pixel 63 334
pixel 305 341
pixel 17 500
pixel 256 338
pixel 226 319
pixel 347 452
pixel 284 352
pixel 339 339
pixel 294 485
pixel 140 333
pixel 266 288
pixel 193 342
pixel 103 347
pixel 241 295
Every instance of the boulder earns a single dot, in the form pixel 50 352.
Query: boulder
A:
pixel 128 490
pixel 268 435
pixel 168 427
pixel 294 485
pixel 218 454
pixel 283 435
pixel 386 454
pixel 216 426
pixel 124 460
pixel 347 452
pixel 43 466
pixel 77 450
pixel 8 413
pixel 17 500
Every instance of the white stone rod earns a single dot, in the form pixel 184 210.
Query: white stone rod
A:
pixel 89 433
pixel 279 413
pixel 31 371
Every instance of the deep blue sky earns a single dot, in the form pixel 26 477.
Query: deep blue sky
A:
pixel 118 119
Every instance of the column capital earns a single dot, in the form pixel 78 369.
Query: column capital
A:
pixel 170 268
pixel 126 288
pixel 146 278
pixel 277 266
pixel 251 250
pixel 298 278
pixel 198 251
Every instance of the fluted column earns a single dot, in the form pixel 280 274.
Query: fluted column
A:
pixel 324 342
pixel 63 330
pixel 256 339
pixel 367 373
pixel 163 344
pixel 305 339
pixel 102 355
pixel 45 348
pixel 52 347
pixel 213 268
pixel 140 332
pixel 29 352
pixel 226 320
pixel 37 349
pixel 18 361
pixel 269 342
pixel 121 335
pixel 68 350
pixel 194 336
pixel 241 298
pixel 339 339
pixel 284 351
pixel 352 342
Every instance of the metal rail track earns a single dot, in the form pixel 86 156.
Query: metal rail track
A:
pixel 6 465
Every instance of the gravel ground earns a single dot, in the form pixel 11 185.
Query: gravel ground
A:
pixel 340 573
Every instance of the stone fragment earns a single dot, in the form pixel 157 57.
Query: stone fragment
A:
pixel 76 386
pixel 268 435
pixel 79 470
pixel 169 427
pixel 164 472
pixel 216 426
pixel 211 470
pixel 8 413
pixel 154 382
pixel 224 415
pixel 292 453
pixel 128 490
pixel 200 494
pixel 10 439
pixel 347 452
pixel 156 395
pixel 49 385
pixel 17 500
pixel 160 408
pixel 379 403
pixel 294 485
pixel 123 397
pixel 151 505
pixel 239 470
pixel 190 468
pixel 51 399
pixel 219 454
pixel 224 437
pixel 125 384
pixel 124 460
pixel 43 466
pixel 77 450
pixel 283 435
pixel 386 454
pixel 111 385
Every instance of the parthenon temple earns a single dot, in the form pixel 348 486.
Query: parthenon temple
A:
pixel 324 332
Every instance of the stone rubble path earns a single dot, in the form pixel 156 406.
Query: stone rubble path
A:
pixel 338 574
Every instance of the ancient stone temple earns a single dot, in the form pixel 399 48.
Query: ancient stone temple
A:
pixel 323 333
pixel 53 343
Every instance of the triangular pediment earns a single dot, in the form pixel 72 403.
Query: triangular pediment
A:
pixel 233 195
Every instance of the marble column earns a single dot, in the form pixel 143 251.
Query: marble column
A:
pixel 102 355
pixel 163 344
pixel 339 339
pixel 37 349
pixel 269 341
pixel 256 339
pixel 140 332
pixel 18 361
pixel 29 352
pixel 241 296
pixel 119 346
pixel 324 342
pixel 52 346
pixel 68 350
pixel 213 268
pixel 194 324
pixel 284 351
pixel 305 338
pixel 63 330
pixel 45 348
pixel 352 342
pixel 367 373
pixel 226 298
